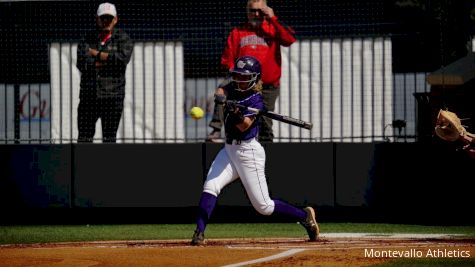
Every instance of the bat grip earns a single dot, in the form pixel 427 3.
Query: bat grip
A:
pixel 253 110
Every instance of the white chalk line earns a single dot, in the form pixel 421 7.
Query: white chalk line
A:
pixel 360 246
pixel 391 235
pixel 269 258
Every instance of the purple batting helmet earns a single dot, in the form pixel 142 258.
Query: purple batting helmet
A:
pixel 246 66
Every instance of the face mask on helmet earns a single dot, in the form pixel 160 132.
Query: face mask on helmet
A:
pixel 244 81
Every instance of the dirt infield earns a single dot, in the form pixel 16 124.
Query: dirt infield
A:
pixel 331 250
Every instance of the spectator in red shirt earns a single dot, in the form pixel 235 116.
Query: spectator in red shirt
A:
pixel 261 37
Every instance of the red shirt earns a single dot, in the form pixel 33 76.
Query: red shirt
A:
pixel 263 43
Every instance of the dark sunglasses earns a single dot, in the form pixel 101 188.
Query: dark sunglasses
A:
pixel 106 17
pixel 254 10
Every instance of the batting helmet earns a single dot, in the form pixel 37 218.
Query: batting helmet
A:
pixel 246 69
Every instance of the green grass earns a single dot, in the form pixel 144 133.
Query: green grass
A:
pixel 67 233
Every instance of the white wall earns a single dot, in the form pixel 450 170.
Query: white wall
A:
pixel 343 86
pixel 153 105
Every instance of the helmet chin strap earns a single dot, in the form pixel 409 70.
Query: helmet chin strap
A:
pixel 248 88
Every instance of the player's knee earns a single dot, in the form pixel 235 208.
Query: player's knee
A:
pixel 212 188
pixel 264 208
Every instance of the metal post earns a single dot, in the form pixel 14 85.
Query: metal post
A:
pixel 16 116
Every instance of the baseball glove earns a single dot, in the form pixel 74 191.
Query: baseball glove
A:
pixel 448 126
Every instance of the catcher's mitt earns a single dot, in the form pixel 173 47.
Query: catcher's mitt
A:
pixel 448 126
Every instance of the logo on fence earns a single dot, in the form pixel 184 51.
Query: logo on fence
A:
pixel 32 106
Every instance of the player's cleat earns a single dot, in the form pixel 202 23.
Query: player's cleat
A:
pixel 198 238
pixel 310 224
pixel 214 137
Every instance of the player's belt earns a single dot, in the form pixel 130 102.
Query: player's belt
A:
pixel 231 141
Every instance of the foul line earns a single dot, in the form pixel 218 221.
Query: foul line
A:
pixel 273 257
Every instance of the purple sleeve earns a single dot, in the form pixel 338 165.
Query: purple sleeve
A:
pixel 256 101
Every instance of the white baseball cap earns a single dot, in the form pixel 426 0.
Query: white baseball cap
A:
pixel 106 9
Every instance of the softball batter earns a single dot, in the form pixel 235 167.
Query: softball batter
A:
pixel 242 156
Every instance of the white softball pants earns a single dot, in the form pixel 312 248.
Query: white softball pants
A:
pixel 247 162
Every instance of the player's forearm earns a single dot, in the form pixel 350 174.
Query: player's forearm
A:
pixel 245 124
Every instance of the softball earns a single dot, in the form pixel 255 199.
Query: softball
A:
pixel 196 113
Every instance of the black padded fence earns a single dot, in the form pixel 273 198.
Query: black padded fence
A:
pixel 138 183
